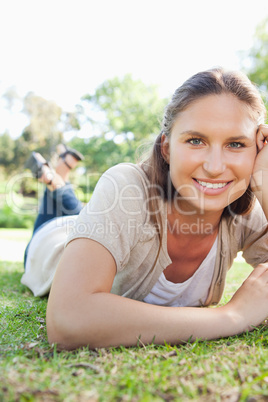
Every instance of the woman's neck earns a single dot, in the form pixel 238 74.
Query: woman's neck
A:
pixel 197 224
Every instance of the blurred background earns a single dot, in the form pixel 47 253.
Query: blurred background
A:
pixel 96 75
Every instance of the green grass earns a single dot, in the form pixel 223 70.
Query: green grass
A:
pixel 230 369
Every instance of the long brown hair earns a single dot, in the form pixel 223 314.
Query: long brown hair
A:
pixel 211 82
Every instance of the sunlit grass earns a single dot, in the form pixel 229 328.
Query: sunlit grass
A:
pixel 230 369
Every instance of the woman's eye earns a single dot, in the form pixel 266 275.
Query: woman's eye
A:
pixel 195 141
pixel 236 145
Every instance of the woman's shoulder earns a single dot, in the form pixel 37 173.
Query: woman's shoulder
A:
pixel 127 170
pixel 243 226
pixel 123 184
pixel 255 220
pixel 126 174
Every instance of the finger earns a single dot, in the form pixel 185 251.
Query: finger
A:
pixel 262 136
pixel 260 270
pixel 264 275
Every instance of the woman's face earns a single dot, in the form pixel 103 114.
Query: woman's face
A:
pixel 211 153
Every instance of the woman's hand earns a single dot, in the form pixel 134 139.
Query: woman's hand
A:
pixel 250 302
pixel 259 178
pixel 261 161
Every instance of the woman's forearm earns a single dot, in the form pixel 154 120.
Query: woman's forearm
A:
pixel 259 186
pixel 82 311
pixel 105 320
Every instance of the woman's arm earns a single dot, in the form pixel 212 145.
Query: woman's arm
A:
pixel 259 181
pixel 82 311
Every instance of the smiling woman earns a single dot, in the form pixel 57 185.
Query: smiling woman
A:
pixel 157 238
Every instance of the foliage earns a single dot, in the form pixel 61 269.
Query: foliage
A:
pixel 43 131
pixel 17 211
pixel 7 150
pixel 130 111
pixel 47 123
pixel 129 106
pixel 234 368
pixel 256 63
pixel 70 120
pixel 258 55
pixel 128 115
pixel 10 219
pixel 101 154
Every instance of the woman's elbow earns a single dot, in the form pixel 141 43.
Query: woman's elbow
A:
pixel 63 331
pixel 59 332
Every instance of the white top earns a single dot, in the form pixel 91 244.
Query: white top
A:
pixel 44 254
pixel 192 292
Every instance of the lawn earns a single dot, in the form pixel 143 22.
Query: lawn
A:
pixel 231 369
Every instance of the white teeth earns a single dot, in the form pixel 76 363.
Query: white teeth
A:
pixel 211 185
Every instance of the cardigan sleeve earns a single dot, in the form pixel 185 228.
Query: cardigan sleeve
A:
pixel 254 236
pixel 116 215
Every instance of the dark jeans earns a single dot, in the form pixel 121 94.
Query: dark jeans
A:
pixel 61 202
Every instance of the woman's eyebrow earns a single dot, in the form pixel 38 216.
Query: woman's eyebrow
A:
pixel 239 137
pixel 198 134
pixel 192 132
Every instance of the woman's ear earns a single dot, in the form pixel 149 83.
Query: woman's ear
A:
pixel 165 147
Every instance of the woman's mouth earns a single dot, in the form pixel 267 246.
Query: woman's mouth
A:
pixel 212 187
pixel 207 184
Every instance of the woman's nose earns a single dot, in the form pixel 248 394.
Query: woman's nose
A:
pixel 214 163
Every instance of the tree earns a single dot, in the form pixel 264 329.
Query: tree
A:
pixel 124 113
pixel 43 131
pixel 7 151
pixel 257 57
pixel 131 110
pixel 100 153
pixel 11 97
